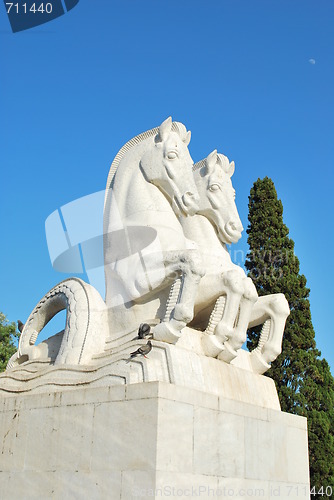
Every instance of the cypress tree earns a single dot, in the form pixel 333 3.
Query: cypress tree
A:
pixel 304 382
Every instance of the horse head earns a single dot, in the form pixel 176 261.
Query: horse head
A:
pixel 168 165
pixel 217 196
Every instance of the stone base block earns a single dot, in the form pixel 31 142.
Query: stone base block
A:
pixel 148 440
pixel 183 364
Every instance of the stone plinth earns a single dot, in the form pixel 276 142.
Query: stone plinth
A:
pixel 148 440
pixel 183 364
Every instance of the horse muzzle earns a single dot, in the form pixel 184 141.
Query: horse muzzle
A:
pixel 233 231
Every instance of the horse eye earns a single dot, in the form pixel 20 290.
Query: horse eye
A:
pixel 214 187
pixel 172 155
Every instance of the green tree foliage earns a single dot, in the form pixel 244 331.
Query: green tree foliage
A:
pixel 304 382
pixel 8 334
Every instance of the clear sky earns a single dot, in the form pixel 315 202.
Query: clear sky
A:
pixel 252 78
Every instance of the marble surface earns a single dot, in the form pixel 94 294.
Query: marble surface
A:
pixel 120 442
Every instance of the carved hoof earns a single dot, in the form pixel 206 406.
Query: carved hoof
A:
pixel 258 363
pixel 271 351
pixel 227 354
pixel 211 345
pixel 223 332
pixel 166 332
pixel 183 314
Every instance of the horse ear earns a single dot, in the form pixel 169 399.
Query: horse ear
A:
pixel 211 161
pixel 187 139
pixel 231 169
pixel 165 129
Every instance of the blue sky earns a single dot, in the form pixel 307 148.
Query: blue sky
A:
pixel 253 79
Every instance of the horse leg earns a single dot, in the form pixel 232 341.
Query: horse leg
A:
pixel 271 311
pixel 224 314
pixel 235 341
pixel 233 289
pixel 229 318
pixel 188 263
pixel 211 344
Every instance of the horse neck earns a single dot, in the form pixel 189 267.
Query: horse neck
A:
pixel 135 201
pixel 200 230
pixel 131 191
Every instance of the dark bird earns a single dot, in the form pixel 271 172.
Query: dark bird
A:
pixel 20 325
pixel 143 350
pixel 143 331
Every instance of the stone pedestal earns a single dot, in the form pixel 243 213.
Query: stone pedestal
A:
pixel 148 440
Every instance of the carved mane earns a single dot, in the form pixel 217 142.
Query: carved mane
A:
pixel 221 160
pixel 199 165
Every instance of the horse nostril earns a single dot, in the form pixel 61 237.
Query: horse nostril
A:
pixel 190 194
pixel 188 197
pixel 191 197
pixel 233 227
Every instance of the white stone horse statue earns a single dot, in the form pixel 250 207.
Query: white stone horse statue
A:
pixel 227 303
pixel 149 186
pixel 166 226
